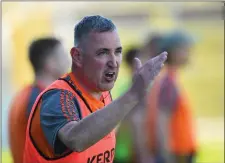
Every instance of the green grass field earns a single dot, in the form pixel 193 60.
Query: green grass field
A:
pixel 6 157
pixel 211 153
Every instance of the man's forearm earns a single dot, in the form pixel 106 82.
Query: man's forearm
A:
pixel 79 136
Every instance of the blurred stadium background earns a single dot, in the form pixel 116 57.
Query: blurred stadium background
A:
pixel 204 78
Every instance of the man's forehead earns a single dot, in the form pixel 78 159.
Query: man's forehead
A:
pixel 104 39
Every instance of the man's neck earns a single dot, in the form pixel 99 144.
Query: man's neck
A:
pixel 44 79
pixel 82 82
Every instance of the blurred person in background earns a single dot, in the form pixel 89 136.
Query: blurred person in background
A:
pixel 151 46
pixel 49 61
pixel 169 118
pixel 74 120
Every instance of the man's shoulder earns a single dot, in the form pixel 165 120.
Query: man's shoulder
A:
pixel 22 95
pixel 59 102
pixel 24 91
pixel 60 84
pixel 20 101
pixel 48 93
pixel 56 95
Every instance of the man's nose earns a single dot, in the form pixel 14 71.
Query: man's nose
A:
pixel 113 61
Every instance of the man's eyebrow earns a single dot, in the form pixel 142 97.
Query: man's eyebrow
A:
pixel 103 49
pixel 119 48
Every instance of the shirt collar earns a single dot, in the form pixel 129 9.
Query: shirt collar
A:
pixel 94 103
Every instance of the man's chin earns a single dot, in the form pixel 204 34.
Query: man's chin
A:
pixel 106 86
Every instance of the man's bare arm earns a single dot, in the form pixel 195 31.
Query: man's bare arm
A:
pixel 79 136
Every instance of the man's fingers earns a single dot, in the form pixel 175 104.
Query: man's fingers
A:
pixel 137 64
pixel 161 58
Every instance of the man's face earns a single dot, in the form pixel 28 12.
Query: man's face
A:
pixel 101 59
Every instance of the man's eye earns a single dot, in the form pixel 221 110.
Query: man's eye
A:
pixel 118 52
pixel 102 53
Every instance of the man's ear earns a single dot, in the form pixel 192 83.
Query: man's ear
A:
pixel 76 56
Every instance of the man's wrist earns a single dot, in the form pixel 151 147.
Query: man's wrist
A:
pixel 132 97
pixel 133 94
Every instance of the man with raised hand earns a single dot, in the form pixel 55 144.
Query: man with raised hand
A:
pixel 74 117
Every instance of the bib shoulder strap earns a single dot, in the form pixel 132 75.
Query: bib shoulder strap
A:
pixel 79 93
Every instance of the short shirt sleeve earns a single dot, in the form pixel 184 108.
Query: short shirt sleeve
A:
pixel 168 95
pixel 58 107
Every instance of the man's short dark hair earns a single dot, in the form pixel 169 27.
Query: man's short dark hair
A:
pixel 89 24
pixel 39 50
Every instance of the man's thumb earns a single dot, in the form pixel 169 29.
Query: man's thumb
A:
pixel 137 64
